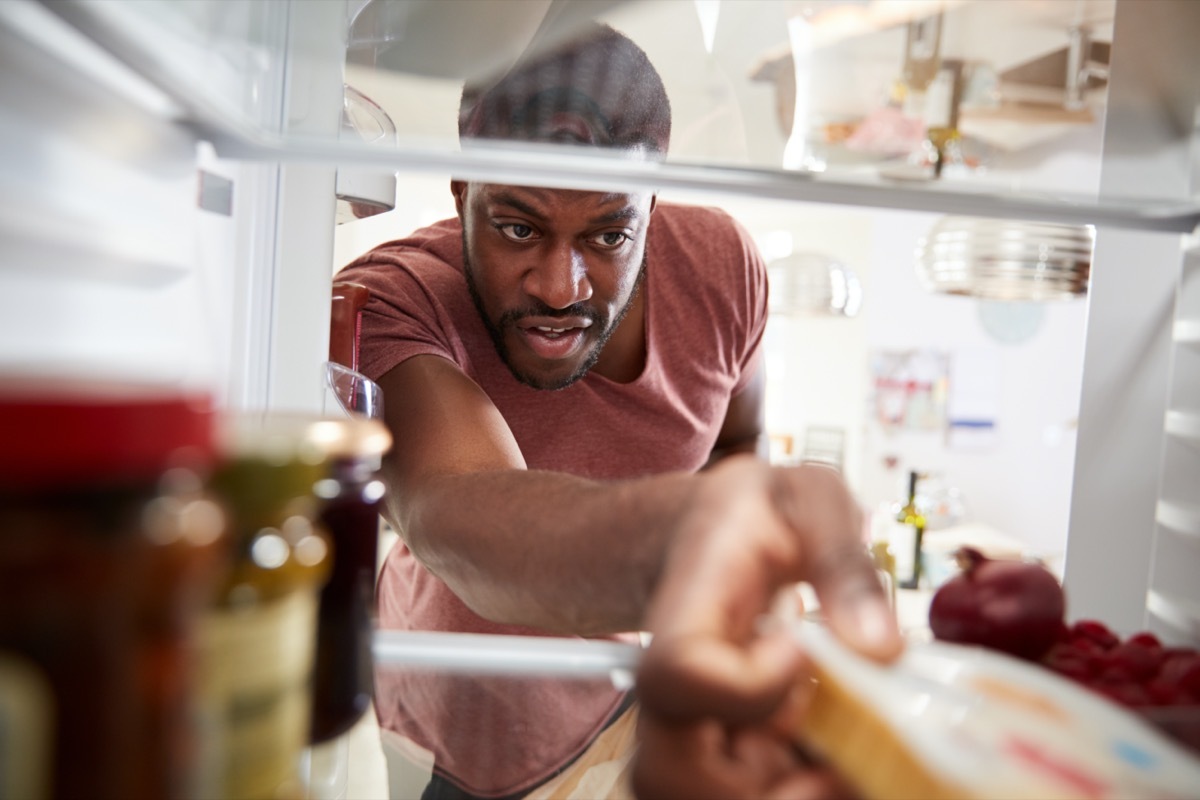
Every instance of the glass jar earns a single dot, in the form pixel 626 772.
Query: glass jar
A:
pixel 350 497
pixel 258 639
pixel 109 549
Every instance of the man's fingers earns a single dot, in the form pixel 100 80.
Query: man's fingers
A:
pixel 820 508
pixel 853 600
pixel 698 676
pixel 816 784
pixel 709 761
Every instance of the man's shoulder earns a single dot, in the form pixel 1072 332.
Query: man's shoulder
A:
pixel 683 225
pixel 686 233
pixel 677 214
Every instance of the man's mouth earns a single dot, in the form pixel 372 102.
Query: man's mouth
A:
pixel 554 342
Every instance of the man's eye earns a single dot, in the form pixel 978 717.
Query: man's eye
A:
pixel 612 238
pixel 516 231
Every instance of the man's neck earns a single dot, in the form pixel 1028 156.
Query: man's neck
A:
pixel 624 355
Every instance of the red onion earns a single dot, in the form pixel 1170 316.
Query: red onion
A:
pixel 1011 606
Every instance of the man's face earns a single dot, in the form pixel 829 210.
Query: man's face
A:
pixel 552 272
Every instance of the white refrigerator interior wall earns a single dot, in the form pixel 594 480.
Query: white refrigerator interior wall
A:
pixel 1121 471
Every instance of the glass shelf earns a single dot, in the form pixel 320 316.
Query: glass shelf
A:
pixel 1184 425
pixel 1179 517
pixel 484 654
pixel 1031 140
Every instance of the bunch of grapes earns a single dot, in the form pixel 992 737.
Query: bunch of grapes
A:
pixel 1137 672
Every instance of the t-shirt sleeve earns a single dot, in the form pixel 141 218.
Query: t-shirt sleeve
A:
pixel 752 294
pixel 404 316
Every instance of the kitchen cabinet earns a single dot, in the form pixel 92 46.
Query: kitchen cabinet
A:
pixel 169 193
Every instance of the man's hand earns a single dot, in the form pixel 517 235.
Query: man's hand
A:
pixel 721 697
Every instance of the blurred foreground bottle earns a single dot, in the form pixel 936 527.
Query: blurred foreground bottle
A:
pixel 109 549
pixel 349 498
pixel 258 639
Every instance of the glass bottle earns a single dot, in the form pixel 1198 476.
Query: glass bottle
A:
pixel 885 567
pixel 258 638
pixel 912 522
pixel 349 505
pixel 922 52
pixel 109 550
pixel 943 138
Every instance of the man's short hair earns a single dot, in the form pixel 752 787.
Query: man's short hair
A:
pixel 597 88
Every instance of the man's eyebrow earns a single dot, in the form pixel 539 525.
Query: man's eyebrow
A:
pixel 629 211
pixel 510 199
pixel 622 214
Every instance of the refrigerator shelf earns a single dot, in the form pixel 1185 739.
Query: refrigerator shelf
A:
pixel 1187 331
pixel 1184 519
pixel 1183 425
pixel 483 654
pixel 237 135
pixel 555 168
pixel 1176 612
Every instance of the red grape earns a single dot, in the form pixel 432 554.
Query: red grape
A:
pixel 1141 662
pixel 1067 661
pixel 1183 670
pixel 1146 639
pixel 1095 631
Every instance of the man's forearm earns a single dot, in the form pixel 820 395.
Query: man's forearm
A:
pixel 545 549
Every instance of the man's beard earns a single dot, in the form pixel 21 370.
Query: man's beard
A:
pixel 508 320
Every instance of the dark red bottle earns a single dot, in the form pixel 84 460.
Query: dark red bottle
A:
pixel 350 495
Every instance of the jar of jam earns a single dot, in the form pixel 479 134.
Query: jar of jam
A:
pixel 109 550
pixel 258 639
pixel 350 496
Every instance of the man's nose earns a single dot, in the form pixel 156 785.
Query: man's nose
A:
pixel 559 278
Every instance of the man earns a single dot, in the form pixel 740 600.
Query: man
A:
pixel 574 384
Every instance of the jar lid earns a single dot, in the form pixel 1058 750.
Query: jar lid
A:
pixel 64 434
pixel 307 438
pixel 357 438
pixel 273 460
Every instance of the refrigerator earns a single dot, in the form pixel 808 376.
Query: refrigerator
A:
pixel 178 178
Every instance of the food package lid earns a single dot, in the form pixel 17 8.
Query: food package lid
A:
pixel 954 721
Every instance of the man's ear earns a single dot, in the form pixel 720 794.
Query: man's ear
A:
pixel 459 190
pixel 653 202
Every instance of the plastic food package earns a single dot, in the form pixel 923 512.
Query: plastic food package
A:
pixel 953 721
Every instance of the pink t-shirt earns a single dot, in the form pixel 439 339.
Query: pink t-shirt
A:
pixel 706 301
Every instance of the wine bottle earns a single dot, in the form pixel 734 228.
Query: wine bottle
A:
pixel 913 527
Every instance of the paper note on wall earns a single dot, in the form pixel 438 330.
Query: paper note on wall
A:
pixel 910 388
pixel 973 404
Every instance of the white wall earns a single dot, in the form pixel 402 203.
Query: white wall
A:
pixel 420 200
pixel 1021 483
pixel 819 375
